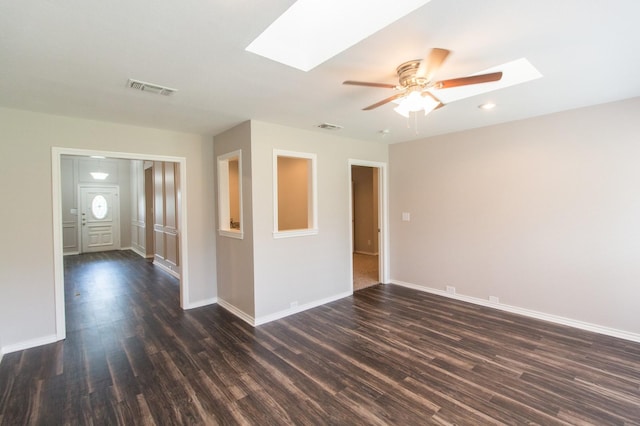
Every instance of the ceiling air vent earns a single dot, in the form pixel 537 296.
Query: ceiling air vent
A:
pixel 329 126
pixel 150 87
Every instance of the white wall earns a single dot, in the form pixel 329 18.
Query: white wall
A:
pixel 543 213
pixel 309 269
pixel 27 285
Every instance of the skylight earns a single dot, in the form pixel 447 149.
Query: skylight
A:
pixel 514 72
pixel 312 31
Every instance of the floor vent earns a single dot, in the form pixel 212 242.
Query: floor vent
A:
pixel 328 126
pixel 150 87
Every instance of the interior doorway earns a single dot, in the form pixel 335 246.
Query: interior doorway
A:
pixel 58 246
pixel 368 230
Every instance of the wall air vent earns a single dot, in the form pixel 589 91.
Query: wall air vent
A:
pixel 329 126
pixel 150 87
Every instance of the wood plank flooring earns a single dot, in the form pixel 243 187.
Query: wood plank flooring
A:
pixel 387 355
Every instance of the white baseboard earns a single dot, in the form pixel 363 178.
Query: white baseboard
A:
pixel 237 312
pixel 167 269
pixel 285 313
pixel 201 303
pixel 27 344
pixel 280 314
pixel 137 251
pixel 70 253
pixel 607 331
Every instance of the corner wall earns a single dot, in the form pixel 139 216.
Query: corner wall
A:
pixel 542 213
pixel 27 299
pixel 292 274
pixel 235 256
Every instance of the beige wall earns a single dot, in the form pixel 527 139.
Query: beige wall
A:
pixel 294 190
pixel 543 213
pixel 234 191
pixel 27 307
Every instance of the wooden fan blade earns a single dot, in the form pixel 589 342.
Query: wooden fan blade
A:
pixel 465 81
pixel 432 63
pixel 384 101
pixel 364 83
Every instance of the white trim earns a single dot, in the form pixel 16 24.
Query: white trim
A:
pixel 313 210
pixel 237 312
pixel 201 303
pixel 607 331
pixel 239 235
pixel 383 216
pixel 28 344
pixel 295 233
pixel 58 265
pixel 71 253
pixel 137 251
pixel 285 313
pixel 169 271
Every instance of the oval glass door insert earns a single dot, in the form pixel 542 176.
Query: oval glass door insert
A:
pixel 99 207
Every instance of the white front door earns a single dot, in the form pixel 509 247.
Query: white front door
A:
pixel 100 221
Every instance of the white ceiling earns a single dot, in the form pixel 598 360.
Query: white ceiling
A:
pixel 74 57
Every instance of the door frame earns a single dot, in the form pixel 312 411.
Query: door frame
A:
pixel 58 255
pixel 82 186
pixel 383 218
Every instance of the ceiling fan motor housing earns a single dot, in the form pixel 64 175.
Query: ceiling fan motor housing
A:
pixel 407 74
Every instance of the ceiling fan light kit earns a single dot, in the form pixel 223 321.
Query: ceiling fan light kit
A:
pixel 415 102
pixel 416 84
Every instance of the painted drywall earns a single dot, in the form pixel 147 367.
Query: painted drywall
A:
pixel 235 256
pixel 542 213
pixel 27 286
pixel 306 269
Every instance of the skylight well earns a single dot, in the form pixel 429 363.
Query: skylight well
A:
pixel 313 31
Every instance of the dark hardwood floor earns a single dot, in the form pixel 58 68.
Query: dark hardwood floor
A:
pixel 387 355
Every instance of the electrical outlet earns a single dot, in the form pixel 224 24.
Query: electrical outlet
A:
pixel 368 242
pixel 494 299
pixel 451 289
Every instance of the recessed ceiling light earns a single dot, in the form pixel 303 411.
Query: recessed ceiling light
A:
pixel 312 31
pixel 487 106
pixel 99 175
pixel 514 72
pixel 98 157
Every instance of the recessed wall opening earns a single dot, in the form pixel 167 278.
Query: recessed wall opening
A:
pixel 230 194
pixel 295 194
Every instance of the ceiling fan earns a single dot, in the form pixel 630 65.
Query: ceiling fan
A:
pixel 416 82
